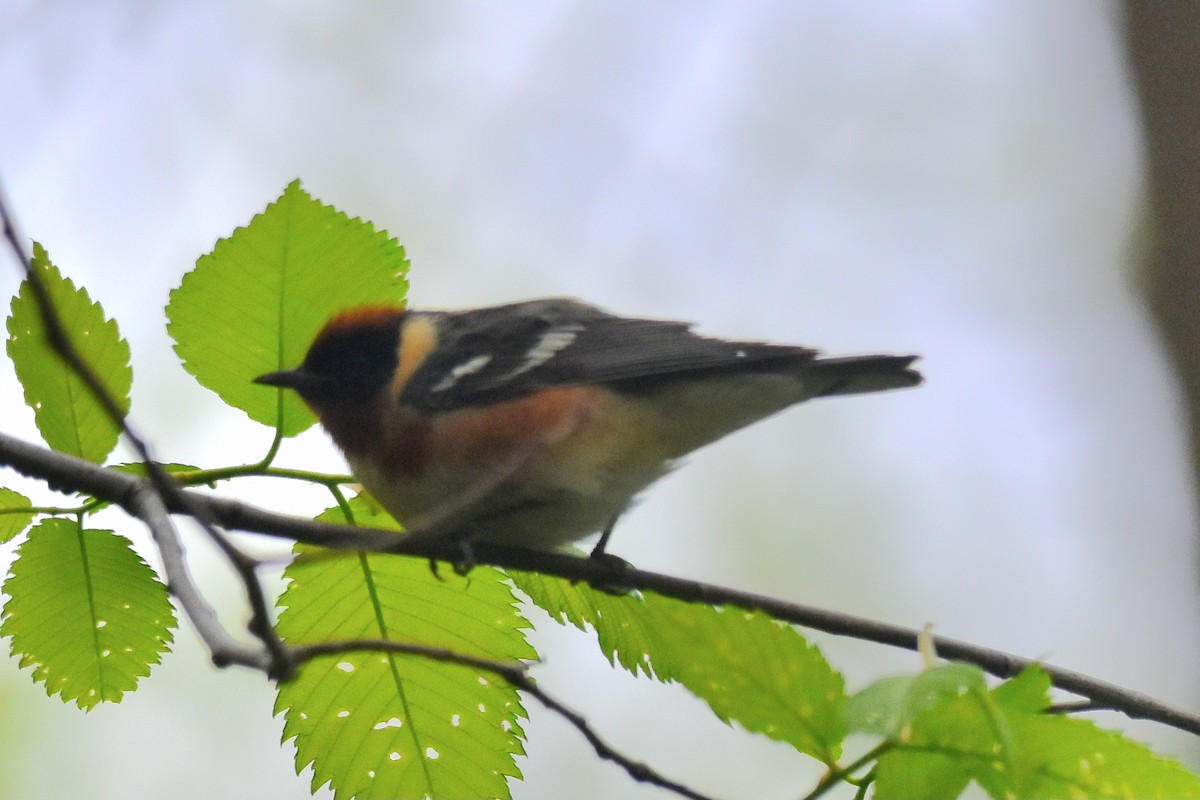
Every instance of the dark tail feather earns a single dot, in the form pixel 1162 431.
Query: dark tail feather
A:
pixel 860 374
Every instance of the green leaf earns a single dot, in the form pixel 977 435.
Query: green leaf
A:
pixel 889 704
pixel 944 748
pixel 748 667
pixel 1028 692
pixel 622 629
pixel 68 417
pixel 383 725
pixel 1005 742
pixel 1054 755
pixel 14 516
pixel 365 512
pixel 255 303
pixel 1063 757
pixel 86 612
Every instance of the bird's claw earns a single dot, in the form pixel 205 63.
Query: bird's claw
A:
pixel 462 565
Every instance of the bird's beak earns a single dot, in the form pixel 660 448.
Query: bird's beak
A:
pixel 296 379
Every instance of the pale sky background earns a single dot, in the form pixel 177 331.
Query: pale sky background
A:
pixel 956 179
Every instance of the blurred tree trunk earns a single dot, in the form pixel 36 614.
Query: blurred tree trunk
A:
pixel 1164 53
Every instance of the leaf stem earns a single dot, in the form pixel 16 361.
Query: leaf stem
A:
pixel 202 477
pixel 273 450
pixel 843 773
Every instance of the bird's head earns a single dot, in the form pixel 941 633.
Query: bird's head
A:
pixel 350 362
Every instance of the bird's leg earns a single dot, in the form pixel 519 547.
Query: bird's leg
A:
pixel 598 552
pixel 602 556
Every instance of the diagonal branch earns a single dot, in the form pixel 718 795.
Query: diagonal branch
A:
pixel 517 675
pixel 223 649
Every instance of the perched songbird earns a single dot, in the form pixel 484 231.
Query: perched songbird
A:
pixel 535 424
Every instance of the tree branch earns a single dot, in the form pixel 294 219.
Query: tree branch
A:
pixel 66 472
pixel 147 506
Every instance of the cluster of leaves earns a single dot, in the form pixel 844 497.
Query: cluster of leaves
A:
pixel 92 618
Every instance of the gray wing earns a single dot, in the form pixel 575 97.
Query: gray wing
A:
pixel 504 352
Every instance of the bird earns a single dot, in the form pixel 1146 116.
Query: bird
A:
pixel 536 424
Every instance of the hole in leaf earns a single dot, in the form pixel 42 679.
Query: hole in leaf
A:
pixel 394 722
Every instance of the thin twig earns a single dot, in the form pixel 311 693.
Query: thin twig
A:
pixel 635 769
pixel 280 665
pixel 517 675
pixel 223 648
pixel 512 671
pixel 834 776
